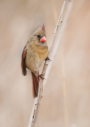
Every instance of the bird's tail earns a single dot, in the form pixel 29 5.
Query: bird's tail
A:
pixel 35 81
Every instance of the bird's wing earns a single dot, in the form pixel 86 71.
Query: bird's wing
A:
pixel 23 66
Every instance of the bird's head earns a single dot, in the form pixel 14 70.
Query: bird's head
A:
pixel 39 36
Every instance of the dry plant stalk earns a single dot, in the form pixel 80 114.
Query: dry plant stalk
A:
pixel 66 116
pixel 46 68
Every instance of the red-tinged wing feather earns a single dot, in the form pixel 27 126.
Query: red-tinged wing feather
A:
pixel 23 66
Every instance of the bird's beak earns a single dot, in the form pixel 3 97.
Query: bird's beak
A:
pixel 43 39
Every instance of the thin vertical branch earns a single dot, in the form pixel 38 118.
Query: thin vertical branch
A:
pixel 66 116
pixel 54 11
pixel 57 26
pixel 47 66
pixel 63 71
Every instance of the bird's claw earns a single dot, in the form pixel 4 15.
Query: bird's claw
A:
pixel 41 76
pixel 47 59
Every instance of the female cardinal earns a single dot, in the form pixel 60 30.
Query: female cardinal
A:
pixel 34 53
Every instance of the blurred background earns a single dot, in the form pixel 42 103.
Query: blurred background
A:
pixel 66 101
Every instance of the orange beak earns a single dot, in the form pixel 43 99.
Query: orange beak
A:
pixel 43 39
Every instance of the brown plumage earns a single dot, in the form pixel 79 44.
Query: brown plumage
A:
pixel 34 53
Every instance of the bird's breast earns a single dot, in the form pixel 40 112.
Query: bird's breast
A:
pixel 35 56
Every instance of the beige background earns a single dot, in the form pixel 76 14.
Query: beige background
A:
pixel 20 18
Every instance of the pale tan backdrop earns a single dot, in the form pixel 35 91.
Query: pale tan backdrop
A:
pixel 18 20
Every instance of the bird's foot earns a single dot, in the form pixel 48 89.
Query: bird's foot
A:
pixel 47 59
pixel 41 76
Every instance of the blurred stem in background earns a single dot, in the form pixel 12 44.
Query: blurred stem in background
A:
pixel 66 116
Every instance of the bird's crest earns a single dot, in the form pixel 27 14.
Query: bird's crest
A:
pixel 43 27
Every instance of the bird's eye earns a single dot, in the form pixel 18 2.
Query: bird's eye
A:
pixel 39 36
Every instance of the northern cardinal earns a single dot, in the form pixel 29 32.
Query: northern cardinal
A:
pixel 34 53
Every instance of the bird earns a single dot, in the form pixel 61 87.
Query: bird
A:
pixel 34 54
